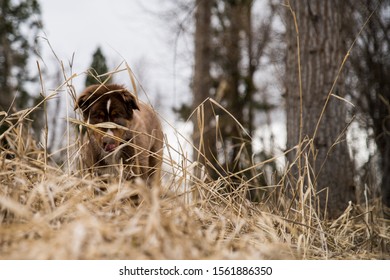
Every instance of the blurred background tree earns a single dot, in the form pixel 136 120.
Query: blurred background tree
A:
pixel 98 67
pixel 229 47
pixel 369 80
pixel 20 23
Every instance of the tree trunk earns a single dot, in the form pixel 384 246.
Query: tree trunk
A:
pixel 204 131
pixel 371 66
pixel 321 54
pixel 232 74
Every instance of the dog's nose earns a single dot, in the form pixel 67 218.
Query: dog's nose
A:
pixel 108 142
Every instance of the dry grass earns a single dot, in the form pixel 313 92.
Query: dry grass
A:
pixel 49 211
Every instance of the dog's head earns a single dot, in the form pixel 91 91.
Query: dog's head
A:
pixel 107 104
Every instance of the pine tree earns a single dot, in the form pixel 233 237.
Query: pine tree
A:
pixel 19 25
pixel 98 67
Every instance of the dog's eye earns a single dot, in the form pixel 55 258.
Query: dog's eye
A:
pixel 99 117
pixel 118 119
pixel 114 115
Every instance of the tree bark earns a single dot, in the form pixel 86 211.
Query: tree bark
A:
pixel 370 64
pixel 321 52
pixel 233 77
pixel 204 131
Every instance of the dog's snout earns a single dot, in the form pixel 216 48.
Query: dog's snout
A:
pixel 108 140
pixel 109 143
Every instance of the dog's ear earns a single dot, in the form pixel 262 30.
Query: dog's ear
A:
pixel 130 100
pixel 81 102
pixel 84 100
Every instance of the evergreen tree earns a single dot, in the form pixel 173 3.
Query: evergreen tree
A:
pixel 19 25
pixel 98 67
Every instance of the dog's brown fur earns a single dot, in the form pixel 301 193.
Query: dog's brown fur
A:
pixel 130 132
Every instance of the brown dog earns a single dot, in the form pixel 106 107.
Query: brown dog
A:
pixel 121 130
